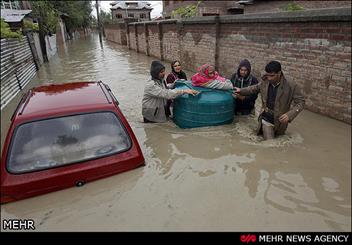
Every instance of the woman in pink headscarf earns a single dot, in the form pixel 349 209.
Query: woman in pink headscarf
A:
pixel 209 78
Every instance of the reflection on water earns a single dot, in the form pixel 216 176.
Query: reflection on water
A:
pixel 221 178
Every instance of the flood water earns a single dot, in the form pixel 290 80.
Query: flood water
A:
pixel 221 178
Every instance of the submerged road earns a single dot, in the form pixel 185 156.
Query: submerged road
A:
pixel 221 178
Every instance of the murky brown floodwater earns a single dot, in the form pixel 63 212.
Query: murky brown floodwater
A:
pixel 207 179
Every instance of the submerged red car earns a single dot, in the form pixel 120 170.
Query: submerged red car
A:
pixel 65 135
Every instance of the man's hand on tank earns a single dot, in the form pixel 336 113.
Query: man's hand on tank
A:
pixel 191 91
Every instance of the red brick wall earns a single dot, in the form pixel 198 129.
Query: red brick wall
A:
pixel 141 39
pixel 116 33
pixel 198 45
pixel 154 43
pixel 132 37
pixel 171 42
pixel 317 56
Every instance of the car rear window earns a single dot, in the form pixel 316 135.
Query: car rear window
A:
pixel 59 141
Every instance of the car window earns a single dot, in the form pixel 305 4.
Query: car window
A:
pixel 59 141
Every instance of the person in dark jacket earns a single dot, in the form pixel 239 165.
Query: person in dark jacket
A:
pixel 176 73
pixel 282 101
pixel 242 79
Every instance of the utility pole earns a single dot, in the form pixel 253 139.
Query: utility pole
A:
pixel 98 19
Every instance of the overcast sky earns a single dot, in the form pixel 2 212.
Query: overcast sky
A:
pixel 156 5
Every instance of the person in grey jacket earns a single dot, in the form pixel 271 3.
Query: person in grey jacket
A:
pixel 156 94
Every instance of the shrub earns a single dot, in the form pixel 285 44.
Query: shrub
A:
pixel 293 7
pixel 186 12
pixel 7 33
pixel 30 25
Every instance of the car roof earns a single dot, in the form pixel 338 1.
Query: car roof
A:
pixel 54 99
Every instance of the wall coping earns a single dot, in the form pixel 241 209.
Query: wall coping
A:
pixel 169 21
pixel 328 14
pixel 314 15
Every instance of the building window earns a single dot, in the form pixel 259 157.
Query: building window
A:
pixel 143 16
pixel 118 16
pixel 131 15
pixel 236 11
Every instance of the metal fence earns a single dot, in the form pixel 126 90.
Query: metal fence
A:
pixel 17 68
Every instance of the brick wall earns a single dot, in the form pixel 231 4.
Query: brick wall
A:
pixel 314 48
pixel 141 39
pixel 132 37
pixel 171 43
pixel 198 45
pixel 316 56
pixel 153 39
pixel 116 33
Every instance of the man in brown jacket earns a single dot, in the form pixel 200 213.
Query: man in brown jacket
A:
pixel 277 96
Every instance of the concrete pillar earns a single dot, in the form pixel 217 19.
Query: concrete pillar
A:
pixel 146 35
pixel 217 36
pixel 136 37
pixel 160 37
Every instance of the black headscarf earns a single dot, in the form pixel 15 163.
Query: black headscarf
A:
pixel 179 75
pixel 155 69
pixel 244 63
pixel 236 76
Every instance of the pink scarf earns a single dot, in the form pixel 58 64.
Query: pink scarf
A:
pixel 202 76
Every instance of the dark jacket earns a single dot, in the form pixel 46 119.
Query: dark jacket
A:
pixel 288 93
pixel 247 105
pixel 173 76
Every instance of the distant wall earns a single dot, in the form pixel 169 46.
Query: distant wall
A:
pixel 50 43
pixel 314 48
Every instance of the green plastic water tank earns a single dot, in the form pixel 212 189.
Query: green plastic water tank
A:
pixel 209 108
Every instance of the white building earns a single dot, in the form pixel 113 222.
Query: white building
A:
pixel 131 9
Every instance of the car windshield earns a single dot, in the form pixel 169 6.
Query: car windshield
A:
pixel 54 142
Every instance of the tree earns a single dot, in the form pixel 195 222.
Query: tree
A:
pixel 47 17
pixel 105 17
pixel 46 14
pixel 79 13
pixel 188 11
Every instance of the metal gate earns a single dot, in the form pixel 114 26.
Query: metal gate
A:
pixel 17 68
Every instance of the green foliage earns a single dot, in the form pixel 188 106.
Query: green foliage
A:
pixel 28 25
pixel 293 7
pixel 46 14
pixel 7 33
pixel 79 13
pixel 186 11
